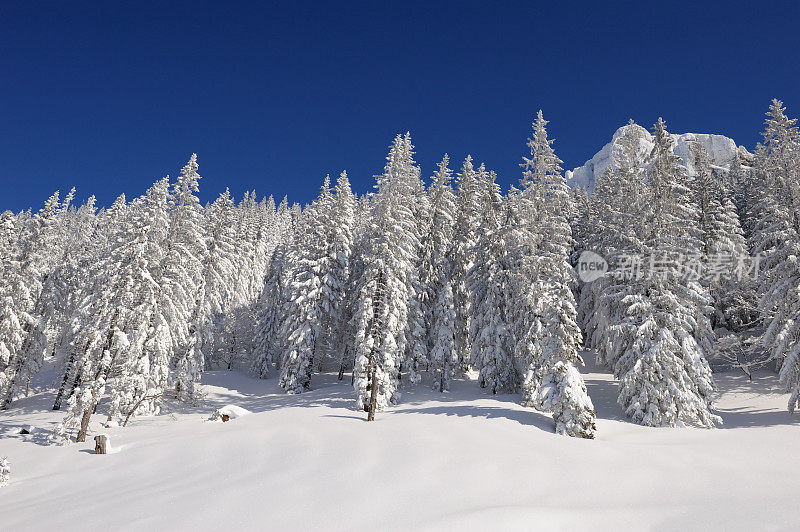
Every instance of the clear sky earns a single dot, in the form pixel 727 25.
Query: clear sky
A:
pixel 110 96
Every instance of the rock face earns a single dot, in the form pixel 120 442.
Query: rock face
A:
pixel 720 148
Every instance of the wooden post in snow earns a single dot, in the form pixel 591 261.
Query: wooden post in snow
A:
pixel 100 444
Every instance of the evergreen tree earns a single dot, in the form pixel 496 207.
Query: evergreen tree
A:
pixel 337 276
pixel 665 379
pixel 389 266
pixel 467 219
pixel 777 236
pixel 22 320
pixel 310 294
pixel 722 243
pixel 183 281
pixel 546 329
pixel 490 287
pixel 438 304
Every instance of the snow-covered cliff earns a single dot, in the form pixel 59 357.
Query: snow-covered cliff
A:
pixel 720 148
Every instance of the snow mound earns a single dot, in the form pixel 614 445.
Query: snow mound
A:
pixel 232 411
pixel 721 150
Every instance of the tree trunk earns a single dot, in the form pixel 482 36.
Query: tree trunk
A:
pixel 373 397
pixel 75 383
pixel 375 333
pixel 87 416
pixel 19 362
pixel 64 381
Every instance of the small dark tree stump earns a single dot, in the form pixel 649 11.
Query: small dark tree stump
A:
pixel 101 444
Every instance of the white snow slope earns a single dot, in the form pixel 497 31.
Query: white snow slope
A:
pixel 721 150
pixel 464 460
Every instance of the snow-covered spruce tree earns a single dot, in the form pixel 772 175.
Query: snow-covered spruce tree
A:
pixel 352 300
pixel 665 379
pixel 777 235
pixel 110 225
pixel 384 292
pixel 416 354
pixel 467 219
pixel 546 329
pixel 301 327
pixel 273 298
pixel 150 314
pixel 314 293
pixel 38 248
pixel 341 226
pixel 723 244
pixel 185 266
pixel 70 284
pixel 235 340
pixel 618 212
pixel 580 221
pixel 437 301
pixel 490 288
pixel 220 266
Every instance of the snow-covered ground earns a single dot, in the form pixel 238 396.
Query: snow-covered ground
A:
pixel 462 460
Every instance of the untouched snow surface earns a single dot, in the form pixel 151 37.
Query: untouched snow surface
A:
pixel 464 460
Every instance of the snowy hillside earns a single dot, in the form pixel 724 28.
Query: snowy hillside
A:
pixel 721 150
pixel 248 343
pixel 464 460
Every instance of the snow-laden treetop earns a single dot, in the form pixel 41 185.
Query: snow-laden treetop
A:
pixel 721 150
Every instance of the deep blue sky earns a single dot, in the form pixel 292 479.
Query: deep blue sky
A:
pixel 110 96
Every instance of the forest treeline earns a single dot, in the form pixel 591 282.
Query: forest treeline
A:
pixel 417 283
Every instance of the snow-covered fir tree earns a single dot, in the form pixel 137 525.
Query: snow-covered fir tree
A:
pixel 545 327
pixel 273 298
pixel 665 379
pixel 389 267
pixel 722 243
pixel 777 236
pixel 490 287
pixel 467 219
pixel 315 291
pixel 436 266
pixel 22 318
